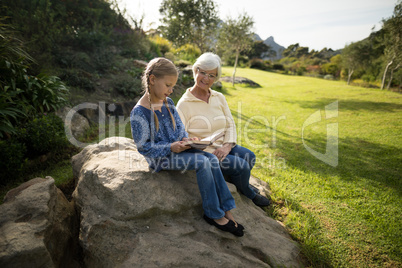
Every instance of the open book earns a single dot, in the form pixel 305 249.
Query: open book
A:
pixel 204 143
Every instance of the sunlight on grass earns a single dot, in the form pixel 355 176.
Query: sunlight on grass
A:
pixel 348 215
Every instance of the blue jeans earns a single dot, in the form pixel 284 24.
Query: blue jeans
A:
pixel 237 166
pixel 215 194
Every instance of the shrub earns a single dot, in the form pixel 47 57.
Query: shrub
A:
pixel 182 63
pixel 277 66
pixel 368 78
pixel 11 160
pixel 259 64
pixel 162 44
pixel 188 52
pixel 79 79
pixel 124 84
pixel 43 134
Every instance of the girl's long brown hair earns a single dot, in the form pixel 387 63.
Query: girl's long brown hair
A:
pixel 159 67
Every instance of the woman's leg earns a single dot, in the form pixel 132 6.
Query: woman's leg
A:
pixel 237 166
pixel 244 153
pixel 216 197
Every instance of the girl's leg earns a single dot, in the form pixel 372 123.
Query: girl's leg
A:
pixel 216 197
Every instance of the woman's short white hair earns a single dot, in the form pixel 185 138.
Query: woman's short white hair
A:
pixel 207 62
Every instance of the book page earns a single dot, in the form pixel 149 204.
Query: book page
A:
pixel 214 137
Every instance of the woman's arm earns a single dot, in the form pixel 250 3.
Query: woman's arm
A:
pixel 230 131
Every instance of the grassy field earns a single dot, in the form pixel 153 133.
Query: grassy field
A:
pixel 343 204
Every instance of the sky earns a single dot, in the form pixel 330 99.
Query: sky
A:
pixel 311 23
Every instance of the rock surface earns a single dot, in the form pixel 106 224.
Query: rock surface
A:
pixel 38 227
pixel 240 80
pixel 78 124
pixel 132 217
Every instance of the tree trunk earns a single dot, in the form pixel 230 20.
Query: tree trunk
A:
pixel 385 73
pixel 350 75
pixel 390 79
pixel 392 74
pixel 235 65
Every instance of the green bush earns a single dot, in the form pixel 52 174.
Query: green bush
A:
pixel 187 52
pixel 259 64
pixel 126 85
pixel 11 160
pixel 278 66
pixel 43 134
pixel 78 79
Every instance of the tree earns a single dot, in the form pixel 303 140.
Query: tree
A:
pixel 295 51
pixel 393 42
pixel 260 50
pixel 189 21
pixel 236 36
pixel 355 56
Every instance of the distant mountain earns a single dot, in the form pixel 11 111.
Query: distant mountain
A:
pixel 273 45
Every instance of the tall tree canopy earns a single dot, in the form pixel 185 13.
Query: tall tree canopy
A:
pixel 189 21
pixel 236 36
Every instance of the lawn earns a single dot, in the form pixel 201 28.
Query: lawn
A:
pixel 339 196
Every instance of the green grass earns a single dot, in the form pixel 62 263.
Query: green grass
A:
pixel 347 215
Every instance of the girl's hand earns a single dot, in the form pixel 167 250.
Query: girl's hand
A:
pixel 178 147
pixel 222 152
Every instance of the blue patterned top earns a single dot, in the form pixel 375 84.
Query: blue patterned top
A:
pixel 155 145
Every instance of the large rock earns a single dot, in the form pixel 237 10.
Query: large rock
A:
pixel 78 124
pixel 38 227
pixel 132 217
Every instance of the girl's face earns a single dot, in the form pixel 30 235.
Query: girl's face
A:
pixel 205 79
pixel 162 87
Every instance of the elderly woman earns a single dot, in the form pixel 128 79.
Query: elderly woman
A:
pixel 205 112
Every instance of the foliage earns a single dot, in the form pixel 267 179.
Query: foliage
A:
pixel 260 64
pixel 189 21
pixel 260 50
pixel 162 44
pixel 187 52
pixel 393 42
pixel 23 95
pixel 236 36
pixel 11 160
pixel 127 85
pixel 43 134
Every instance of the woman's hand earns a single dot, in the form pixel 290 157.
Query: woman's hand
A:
pixel 222 152
pixel 179 146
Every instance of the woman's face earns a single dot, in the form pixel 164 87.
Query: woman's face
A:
pixel 204 79
pixel 160 88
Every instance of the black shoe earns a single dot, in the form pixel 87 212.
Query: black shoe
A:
pixel 261 201
pixel 228 227
pixel 255 189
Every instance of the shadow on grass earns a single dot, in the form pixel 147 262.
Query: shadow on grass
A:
pixel 350 105
pixel 357 158
pixel 368 170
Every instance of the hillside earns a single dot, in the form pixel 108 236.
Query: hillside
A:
pixel 88 44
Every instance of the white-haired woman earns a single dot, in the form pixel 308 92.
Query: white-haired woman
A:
pixel 205 112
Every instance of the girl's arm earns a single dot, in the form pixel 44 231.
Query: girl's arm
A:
pixel 140 128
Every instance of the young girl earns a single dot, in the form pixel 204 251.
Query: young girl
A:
pixel 159 135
